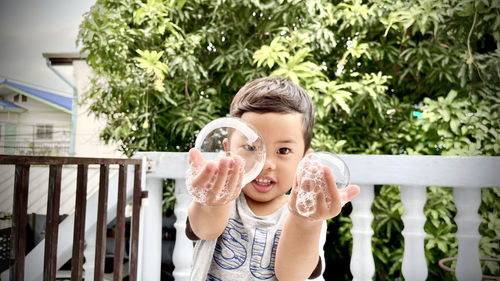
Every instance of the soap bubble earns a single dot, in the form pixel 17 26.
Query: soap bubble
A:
pixel 311 180
pixel 339 168
pixel 229 136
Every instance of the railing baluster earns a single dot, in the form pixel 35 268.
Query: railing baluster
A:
pixel 19 221
pixel 120 224
pixel 136 208
pixel 362 264
pixel 183 250
pixel 467 201
pixel 153 228
pixel 101 227
pixel 414 265
pixel 79 227
pixel 52 223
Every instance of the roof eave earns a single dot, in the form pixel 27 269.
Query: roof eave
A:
pixel 65 110
pixel 63 58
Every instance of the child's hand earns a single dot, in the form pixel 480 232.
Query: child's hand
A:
pixel 214 183
pixel 315 195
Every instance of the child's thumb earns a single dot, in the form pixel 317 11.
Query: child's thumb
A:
pixel 348 193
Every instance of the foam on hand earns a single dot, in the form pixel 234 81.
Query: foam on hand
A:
pixel 311 181
pixel 228 137
pixel 200 193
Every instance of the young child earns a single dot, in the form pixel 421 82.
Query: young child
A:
pixel 256 233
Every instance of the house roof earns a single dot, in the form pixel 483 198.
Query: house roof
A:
pixel 61 102
pixel 10 106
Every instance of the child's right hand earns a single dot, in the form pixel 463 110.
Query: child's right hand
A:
pixel 214 183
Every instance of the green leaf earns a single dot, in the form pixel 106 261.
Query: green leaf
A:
pixel 451 96
pixel 454 124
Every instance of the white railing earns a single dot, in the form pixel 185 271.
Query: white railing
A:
pixel 466 175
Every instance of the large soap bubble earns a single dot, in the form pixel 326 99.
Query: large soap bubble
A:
pixel 229 136
pixel 312 180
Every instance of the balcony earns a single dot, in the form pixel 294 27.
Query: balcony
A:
pixel 466 175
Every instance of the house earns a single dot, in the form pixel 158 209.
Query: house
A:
pixel 36 121
pixel 33 121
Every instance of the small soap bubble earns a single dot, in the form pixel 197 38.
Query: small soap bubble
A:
pixel 312 180
pixel 228 137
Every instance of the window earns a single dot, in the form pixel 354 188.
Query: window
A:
pixel 44 131
pixel 23 98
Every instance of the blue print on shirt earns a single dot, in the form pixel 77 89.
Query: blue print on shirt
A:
pixel 210 277
pixel 258 249
pixel 230 253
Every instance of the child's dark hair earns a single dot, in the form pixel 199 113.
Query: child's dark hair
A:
pixel 279 95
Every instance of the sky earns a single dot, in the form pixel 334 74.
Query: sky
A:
pixel 29 28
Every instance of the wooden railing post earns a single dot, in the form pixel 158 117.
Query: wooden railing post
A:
pixel 134 231
pixel 101 227
pixel 52 223
pixel 58 247
pixel 79 226
pixel 467 201
pixel 414 266
pixel 362 264
pixel 120 224
pixel 19 221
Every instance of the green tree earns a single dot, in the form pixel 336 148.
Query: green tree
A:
pixel 387 77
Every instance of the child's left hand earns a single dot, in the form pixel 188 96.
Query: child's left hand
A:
pixel 315 195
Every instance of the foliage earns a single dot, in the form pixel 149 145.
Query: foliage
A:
pixel 387 226
pixel 490 229
pixel 168 203
pixel 440 241
pixel 387 77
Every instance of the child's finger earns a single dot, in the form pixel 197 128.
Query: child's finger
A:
pixel 331 186
pixel 349 193
pixel 239 183
pixel 292 200
pixel 236 172
pixel 321 205
pixel 195 158
pixel 221 179
pixel 205 175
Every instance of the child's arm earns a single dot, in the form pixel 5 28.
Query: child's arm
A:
pixel 298 248
pixel 214 188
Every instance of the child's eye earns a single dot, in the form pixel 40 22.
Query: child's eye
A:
pixel 284 150
pixel 250 147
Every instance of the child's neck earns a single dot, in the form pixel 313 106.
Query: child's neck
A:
pixel 266 208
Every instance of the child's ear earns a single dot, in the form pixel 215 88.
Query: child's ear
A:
pixel 310 150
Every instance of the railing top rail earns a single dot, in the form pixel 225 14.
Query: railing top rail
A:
pixel 421 170
pixel 55 160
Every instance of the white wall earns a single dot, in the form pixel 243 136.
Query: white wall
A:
pixel 87 142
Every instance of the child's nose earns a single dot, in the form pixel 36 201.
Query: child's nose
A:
pixel 269 164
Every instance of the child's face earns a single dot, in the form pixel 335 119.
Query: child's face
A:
pixel 284 141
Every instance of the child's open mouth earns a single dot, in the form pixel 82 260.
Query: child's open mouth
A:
pixel 263 184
